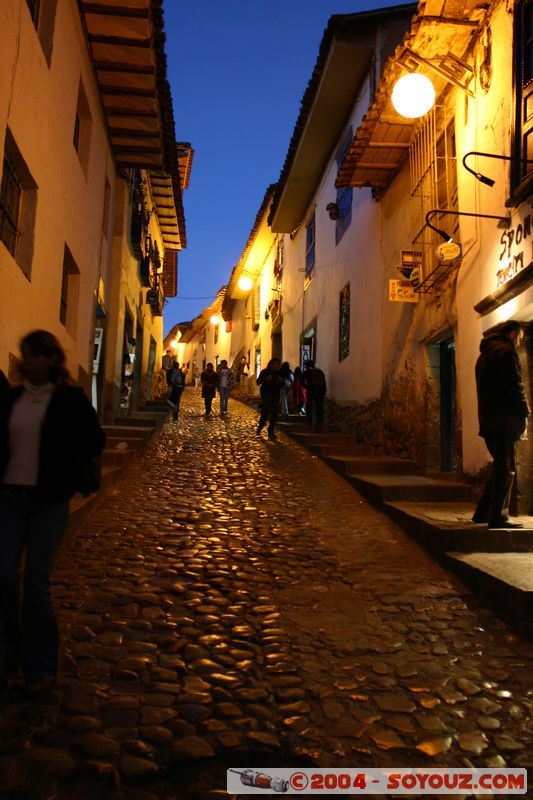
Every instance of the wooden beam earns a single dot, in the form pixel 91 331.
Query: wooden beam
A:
pixel 133 133
pixel 119 111
pixel 388 145
pixel 115 11
pixel 370 165
pixel 128 91
pixel 133 148
pixel 121 164
pixel 123 41
pixel 117 66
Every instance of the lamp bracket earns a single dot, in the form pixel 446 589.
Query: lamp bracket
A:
pixel 449 67
pixel 503 222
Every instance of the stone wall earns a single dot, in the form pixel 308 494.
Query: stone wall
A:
pixel 363 420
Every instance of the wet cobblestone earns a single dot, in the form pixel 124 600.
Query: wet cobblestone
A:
pixel 234 602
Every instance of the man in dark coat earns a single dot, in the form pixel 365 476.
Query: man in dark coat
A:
pixel 315 384
pixel 503 412
pixel 270 381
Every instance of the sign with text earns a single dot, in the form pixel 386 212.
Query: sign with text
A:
pixel 402 292
pixel 516 247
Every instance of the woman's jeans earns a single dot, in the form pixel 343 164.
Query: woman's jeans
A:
pixel 224 395
pixel 28 619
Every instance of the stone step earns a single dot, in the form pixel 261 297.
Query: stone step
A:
pixel 503 580
pixel 118 457
pixel 137 420
pixel 356 463
pixel 308 437
pixel 448 526
pixel 379 488
pixel 132 442
pixel 142 432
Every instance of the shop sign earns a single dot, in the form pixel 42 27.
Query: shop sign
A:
pixel 449 252
pixel 512 250
pixel 402 291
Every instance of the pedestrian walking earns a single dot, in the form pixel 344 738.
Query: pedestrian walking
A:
pixel 177 385
pixel 288 380
pixel 315 385
pixel 167 364
pixel 243 370
pixel 299 393
pixel 209 379
pixel 49 438
pixel 503 411
pixel 225 385
pixel 270 381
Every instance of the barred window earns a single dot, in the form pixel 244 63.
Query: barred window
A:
pixel 10 197
pixel 18 206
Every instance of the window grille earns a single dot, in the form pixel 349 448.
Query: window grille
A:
pixel 10 198
pixel 433 171
pixel 310 247
pixel 344 195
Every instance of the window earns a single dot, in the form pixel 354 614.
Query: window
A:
pixel 68 303
pixel 81 135
pixel 10 197
pixel 434 186
pixel 35 7
pixel 344 323
pixel 18 204
pixel 310 247
pixel 523 139
pixel 42 13
pixel 344 195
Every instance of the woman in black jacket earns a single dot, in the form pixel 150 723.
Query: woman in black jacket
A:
pixel 49 435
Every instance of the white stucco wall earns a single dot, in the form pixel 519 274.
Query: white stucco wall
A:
pixel 38 103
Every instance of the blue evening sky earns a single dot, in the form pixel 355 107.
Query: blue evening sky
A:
pixel 238 70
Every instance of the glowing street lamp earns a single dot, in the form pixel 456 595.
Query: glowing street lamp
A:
pixel 215 320
pixel 413 95
pixel 245 283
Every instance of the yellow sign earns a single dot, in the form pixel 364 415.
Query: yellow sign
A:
pixel 402 292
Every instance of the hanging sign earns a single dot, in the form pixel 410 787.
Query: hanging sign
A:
pixel 449 252
pixel 402 291
pixel 513 246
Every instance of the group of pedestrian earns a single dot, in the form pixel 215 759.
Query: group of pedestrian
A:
pixel 308 389
pixel 212 380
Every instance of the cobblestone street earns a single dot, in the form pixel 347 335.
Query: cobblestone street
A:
pixel 234 602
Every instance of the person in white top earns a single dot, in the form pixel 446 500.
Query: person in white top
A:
pixel 49 435
pixel 225 385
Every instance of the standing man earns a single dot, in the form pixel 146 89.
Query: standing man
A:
pixel 270 380
pixel 177 385
pixel 225 384
pixel 315 384
pixel 242 374
pixel 503 413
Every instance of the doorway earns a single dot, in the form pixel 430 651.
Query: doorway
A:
pixel 444 427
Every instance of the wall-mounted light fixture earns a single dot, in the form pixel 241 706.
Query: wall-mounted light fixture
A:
pixel 333 210
pixel 503 222
pixel 413 95
pixel 245 283
pixel 214 320
pixel 479 175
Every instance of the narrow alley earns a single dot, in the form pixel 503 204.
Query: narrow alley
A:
pixel 234 602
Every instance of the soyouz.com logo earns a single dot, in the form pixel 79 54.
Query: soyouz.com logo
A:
pixel 249 780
